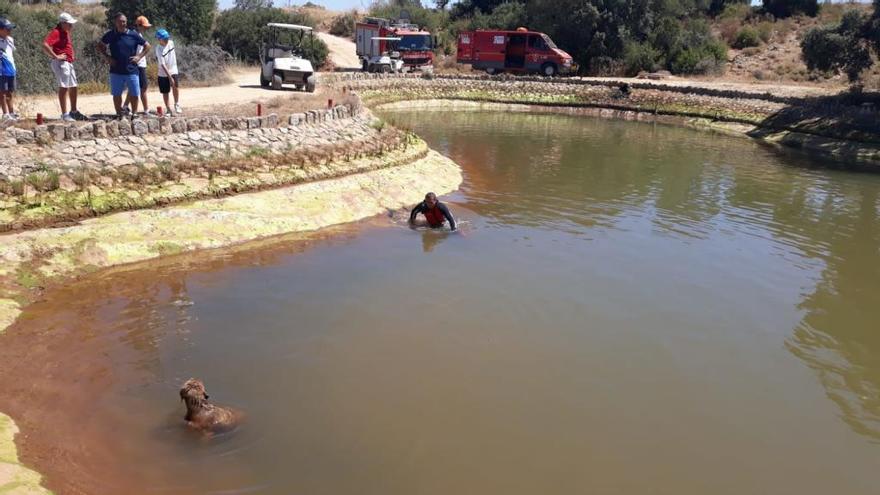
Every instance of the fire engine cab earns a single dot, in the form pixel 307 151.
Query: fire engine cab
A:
pixel 513 51
pixel 373 39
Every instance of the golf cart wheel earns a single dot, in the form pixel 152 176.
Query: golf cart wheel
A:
pixel 549 70
pixel 385 69
pixel 263 81
pixel 311 84
pixel 276 82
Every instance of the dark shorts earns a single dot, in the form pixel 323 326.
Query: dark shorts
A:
pixel 165 84
pixel 142 77
pixel 7 83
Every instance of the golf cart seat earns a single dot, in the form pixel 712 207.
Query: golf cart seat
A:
pixel 278 52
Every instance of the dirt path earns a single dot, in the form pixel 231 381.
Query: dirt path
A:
pixel 342 51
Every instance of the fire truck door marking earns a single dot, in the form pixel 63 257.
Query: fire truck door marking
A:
pixel 499 40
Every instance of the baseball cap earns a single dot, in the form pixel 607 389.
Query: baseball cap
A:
pixel 142 21
pixel 66 18
pixel 5 24
pixel 163 34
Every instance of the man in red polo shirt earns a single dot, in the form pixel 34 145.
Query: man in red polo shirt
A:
pixel 59 47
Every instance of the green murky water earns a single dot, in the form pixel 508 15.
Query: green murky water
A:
pixel 630 308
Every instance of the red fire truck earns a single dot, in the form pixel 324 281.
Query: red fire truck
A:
pixel 415 46
pixel 514 51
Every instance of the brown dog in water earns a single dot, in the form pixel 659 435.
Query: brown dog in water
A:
pixel 201 414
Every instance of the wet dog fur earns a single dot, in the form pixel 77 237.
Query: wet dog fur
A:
pixel 201 414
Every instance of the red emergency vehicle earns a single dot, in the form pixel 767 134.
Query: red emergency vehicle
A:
pixel 513 51
pixel 416 46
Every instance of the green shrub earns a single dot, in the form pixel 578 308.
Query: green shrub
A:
pixel 765 31
pixel 746 37
pixel 706 59
pixel 188 20
pixel 638 57
pixel 241 33
pixel 343 24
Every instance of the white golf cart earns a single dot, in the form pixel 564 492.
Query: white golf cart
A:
pixel 388 60
pixel 281 58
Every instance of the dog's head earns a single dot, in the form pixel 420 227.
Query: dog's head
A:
pixel 193 393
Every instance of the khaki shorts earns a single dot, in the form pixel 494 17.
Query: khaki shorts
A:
pixel 65 74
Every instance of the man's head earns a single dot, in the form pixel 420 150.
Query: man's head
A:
pixel 431 200
pixel 6 27
pixel 142 24
pixel 120 22
pixel 66 21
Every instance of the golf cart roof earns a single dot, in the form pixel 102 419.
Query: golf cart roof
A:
pixel 294 27
pixel 386 38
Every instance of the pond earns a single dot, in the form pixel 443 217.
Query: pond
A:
pixel 628 308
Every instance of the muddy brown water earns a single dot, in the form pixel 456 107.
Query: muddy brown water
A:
pixel 631 308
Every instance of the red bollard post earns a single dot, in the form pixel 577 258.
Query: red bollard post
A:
pixel 159 111
pixel 39 119
pixel 259 109
pixel 330 103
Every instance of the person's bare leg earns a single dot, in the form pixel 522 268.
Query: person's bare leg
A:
pixel 176 95
pixel 62 99
pixel 133 102
pixel 9 103
pixel 3 106
pixel 72 93
pixel 144 100
pixel 165 98
pixel 117 103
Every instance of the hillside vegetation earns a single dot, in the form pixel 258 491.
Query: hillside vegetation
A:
pixel 706 38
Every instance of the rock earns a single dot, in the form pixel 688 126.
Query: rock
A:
pixel 125 127
pixel 213 123
pixel 165 125
pixel 88 151
pixel 193 125
pixel 100 129
pixel 42 135
pixel 57 131
pixel 65 183
pixel 153 126
pixel 23 136
pixel 121 160
pixel 253 122
pixel 139 127
pixel 112 128
pixel 178 125
pixel 194 136
pixel 71 133
pixel 297 119
pixel 229 124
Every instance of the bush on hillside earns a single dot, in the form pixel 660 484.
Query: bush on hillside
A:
pixel 189 20
pixel 640 57
pixel 343 24
pixel 747 37
pixel 201 63
pixel 844 48
pixel 241 33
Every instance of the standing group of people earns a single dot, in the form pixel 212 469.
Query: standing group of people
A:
pixel 125 51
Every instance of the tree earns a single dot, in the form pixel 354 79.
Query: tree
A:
pixel 787 8
pixel 253 4
pixel 190 20
pixel 845 47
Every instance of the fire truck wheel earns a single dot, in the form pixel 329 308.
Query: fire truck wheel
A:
pixel 549 69
pixel 365 66
pixel 492 71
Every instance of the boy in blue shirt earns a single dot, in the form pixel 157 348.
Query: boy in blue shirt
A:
pixel 7 69
pixel 123 58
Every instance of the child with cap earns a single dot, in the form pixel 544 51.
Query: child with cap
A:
pixel 141 25
pixel 7 69
pixel 168 72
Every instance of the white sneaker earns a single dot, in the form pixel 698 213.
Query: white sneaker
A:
pixel 7 116
pixel 15 116
pixel 177 109
pixel 67 118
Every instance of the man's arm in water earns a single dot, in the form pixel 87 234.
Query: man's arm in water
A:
pixel 415 211
pixel 445 211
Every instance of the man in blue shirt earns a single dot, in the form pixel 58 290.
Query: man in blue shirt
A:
pixel 123 58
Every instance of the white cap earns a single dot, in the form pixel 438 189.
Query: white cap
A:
pixel 65 17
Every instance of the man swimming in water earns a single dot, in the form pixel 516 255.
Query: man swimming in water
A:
pixel 436 213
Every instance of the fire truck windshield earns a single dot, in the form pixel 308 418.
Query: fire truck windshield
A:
pixel 414 43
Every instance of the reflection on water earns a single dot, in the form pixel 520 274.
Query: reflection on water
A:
pixel 629 310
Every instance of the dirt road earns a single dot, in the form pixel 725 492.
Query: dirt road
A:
pixel 342 51
pixel 244 88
